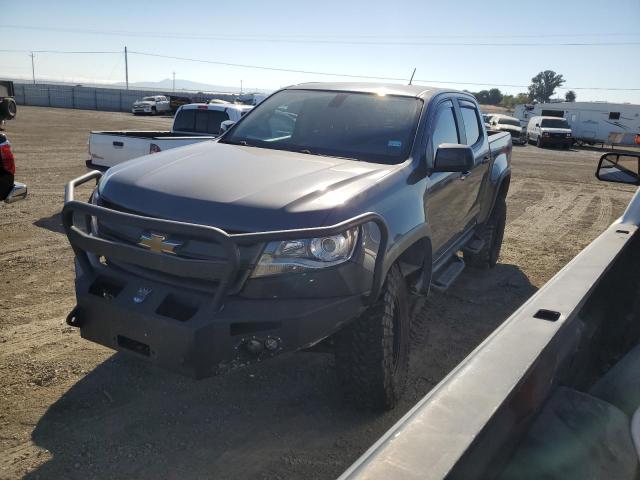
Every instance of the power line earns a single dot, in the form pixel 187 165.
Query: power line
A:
pixel 345 75
pixel 357 40
pixel 311 72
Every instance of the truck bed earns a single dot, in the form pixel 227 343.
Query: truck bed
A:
pixel 109 148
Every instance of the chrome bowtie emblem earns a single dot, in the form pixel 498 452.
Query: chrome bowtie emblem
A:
pixel 158 243
pixel 141 295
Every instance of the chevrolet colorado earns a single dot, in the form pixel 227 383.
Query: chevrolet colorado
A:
pixel 554 392
pixel 196 122
pixel 325 213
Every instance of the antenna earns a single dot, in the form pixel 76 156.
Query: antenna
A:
pixel 411 79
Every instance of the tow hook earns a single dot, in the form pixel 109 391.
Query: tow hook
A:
pixel 74 319
pixel 256 346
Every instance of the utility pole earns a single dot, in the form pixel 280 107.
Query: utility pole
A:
pixel 240 87
pixel 174 82
pixel 33 69
pixel 126 67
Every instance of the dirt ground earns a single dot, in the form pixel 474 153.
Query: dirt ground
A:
pixel 71 409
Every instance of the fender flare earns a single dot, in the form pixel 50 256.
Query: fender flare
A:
pixel 420 233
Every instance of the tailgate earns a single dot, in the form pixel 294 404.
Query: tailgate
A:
pixel 107 150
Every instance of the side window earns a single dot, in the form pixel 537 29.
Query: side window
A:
pixel 445 129
pixel 614 116
pixel 471 124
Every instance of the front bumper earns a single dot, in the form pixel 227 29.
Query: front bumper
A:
pixel 557 141
pixel 141 110
pixel 17 193
pixel 193 330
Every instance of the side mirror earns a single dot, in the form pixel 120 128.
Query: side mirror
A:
pixel 619 168
pixel 453 157
pixel 226 125
pixel 537 124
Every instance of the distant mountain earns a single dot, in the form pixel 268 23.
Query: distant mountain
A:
pixel 181 84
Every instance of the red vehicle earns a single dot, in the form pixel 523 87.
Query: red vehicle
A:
pixel 10 191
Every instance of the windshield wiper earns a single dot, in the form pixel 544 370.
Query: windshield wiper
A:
pixel 244 143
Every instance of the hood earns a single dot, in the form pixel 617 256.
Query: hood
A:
pixel 510 128
pixel 237 188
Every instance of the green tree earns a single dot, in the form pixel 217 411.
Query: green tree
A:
pixel 570 96
pixel 544 85
pixel 489 97
pixel 495 96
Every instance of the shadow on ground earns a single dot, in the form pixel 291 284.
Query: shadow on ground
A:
pixel 52 223
pixel 274 420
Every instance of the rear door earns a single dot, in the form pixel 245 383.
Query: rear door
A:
pixel 474 135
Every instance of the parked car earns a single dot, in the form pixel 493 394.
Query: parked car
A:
pixel 192 123
pixel 327 213
pixel 176 101
pixel 546 131
pixel 554 392
pixel 10 190
pixel 153 105
pixel 8 108
pixel 505 123
pixel 486 118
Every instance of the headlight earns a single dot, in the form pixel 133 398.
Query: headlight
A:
pixel 545 134
pixel 291 256
pixel 568 134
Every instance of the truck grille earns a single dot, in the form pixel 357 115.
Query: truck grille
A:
pixel 186 248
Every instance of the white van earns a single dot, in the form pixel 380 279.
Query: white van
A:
pixel 549 131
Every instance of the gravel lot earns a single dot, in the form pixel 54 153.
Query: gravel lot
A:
pixel 71 409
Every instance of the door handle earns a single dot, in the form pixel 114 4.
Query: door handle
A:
pixel 464 175
pixel 486 159
pixel 118 144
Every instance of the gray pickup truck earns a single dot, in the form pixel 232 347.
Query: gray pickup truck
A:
pixel 323 215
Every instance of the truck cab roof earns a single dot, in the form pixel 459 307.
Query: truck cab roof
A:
pixel 417 91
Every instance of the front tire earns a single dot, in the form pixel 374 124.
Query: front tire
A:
pixel 539 142
pixel 493 234
pixel 372 354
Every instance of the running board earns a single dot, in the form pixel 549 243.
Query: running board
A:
pixel 448 274
pixel 474 246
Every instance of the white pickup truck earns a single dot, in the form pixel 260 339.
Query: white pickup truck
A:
pixel 151 105
pixel 196 122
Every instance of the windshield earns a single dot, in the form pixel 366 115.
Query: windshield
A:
pixel 361 126
pixel 554 123
pixel 148 99
pixel 509 121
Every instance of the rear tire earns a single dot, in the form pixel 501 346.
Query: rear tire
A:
pixel 493 233
pixel 8 109
pixel 372 354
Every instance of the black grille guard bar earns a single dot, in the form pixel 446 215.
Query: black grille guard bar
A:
pixel 223 271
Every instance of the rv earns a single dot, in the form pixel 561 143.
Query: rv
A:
pixel 590 122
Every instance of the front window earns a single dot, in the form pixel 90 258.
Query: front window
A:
pixel 361 126
pixel 554 123
pixel 509 121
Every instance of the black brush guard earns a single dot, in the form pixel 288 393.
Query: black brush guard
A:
pixel 194 345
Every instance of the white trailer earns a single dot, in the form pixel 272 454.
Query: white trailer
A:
pixel 590 122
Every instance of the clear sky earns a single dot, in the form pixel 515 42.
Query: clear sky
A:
pixel 375 38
